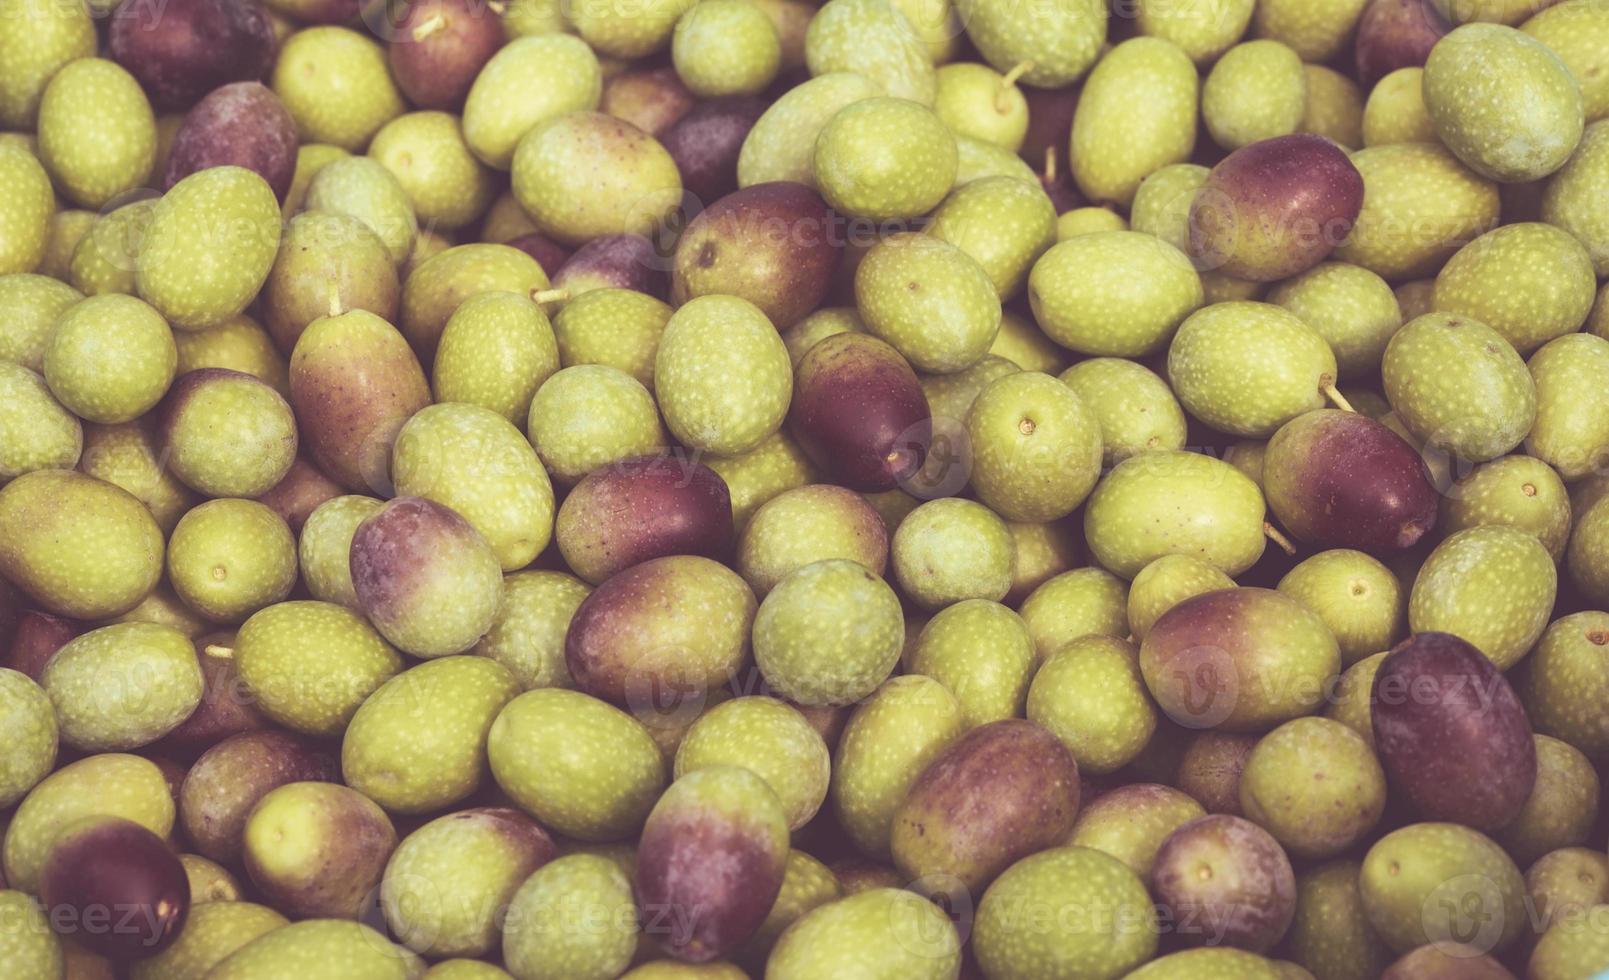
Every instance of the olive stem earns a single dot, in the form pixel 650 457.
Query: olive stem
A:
pixel 1050 164
pixel 1275 535
pixel 540 296
pixel 430 26
pixel 1334 394
pixel 219 650
pixel 1007 82
pixel 336 306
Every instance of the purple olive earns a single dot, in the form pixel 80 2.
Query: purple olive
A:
pixel 114 888
pixel 180 50
pixel 859 412
pixel 1451 734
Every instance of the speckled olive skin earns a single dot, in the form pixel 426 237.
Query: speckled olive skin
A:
pixel 860 413
pixel 1395 34
pixel 1562 693
pixel 210 244
pixel 1221 381
pixel 1522 129
pixel 336 85
pixel 540 943
pixel 1210 660
pixel 774 244
pixel 1137 114
pixel 227 434
pixel 109 862
pixel 317 849
pixel 528 81
pixel 439 285
pixel 1090 695
pixel 1036 447
pixel 768 737
pixel 1315 786
pixel 353 383
pixel 873 40
pixel 425 577
pixel 1451 733
pixel 228 780
pixel 710 862
pixel 1159 504
pixel 79 547
pixel 781 144
pixel 110 359
pixel 1113 293
pixel 122 686
pixel 1130 822
pixel 1519 491
pixel 311 664
pixel 29 726
pixel 612 327
pixel 1494 586
pixel 886 744
pixel 1570 431
pixel 1342 480
pixel 1427 882
pixel 981 651
pixel 212 931
pixel 998 793
pixel 110 784
pixel 580 766
pixel 27 943
pixel 1256 91
pixel 643 508
pixel 722 375
pixel 1275 208
pixel 1248 894
pixel 586 174
pixel 675 624
pixel 1115 931
pixel 628 261
pixel 1420 204
pixel 243 124
pixel 40 432
pixel 447 881
pixel 907 178
pixel 326 256
pixel 412 766
pixel 1531 282
pixel 851 937
pixel 1458 384
pixel 1005 224
pixel 809 524
pixel 1330 933
pixel 347 949
pixel 97 135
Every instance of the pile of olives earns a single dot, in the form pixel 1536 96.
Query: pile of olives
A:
pixel 804 489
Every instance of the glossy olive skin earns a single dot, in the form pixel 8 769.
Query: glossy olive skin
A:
pixel 1275 208
pixel 1451 734
pixel 705 144
pixel 643 508
pixel 1247 895
pixel 1342 480
pixel 859 413
pixel 115 888
pixel 1396 34
pixel 193 47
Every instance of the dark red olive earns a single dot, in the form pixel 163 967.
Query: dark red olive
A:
pixel 179 50
pixel 439 46
pixel 614 261
pixel 1274 209
pixel 37 637
pixel 242 124
pixel 859 412
pixel 1396 34
pixel 705 144
pixel 1342 480
pixel 644 508
pixel 550 255
pixel 115 888
pixel 1451 734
